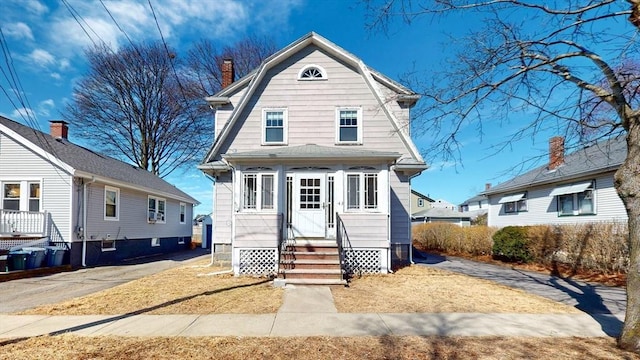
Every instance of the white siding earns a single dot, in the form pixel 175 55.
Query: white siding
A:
pixel 256 230
pixel 366 230
pixel 19 163
pixel 312 106
pixel 400 208
pixel 222 209
pixel 133 213
pixel 542 208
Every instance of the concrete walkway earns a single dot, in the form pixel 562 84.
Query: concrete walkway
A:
pixel 310 311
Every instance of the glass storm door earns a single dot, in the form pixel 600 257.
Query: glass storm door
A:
pixel 309 207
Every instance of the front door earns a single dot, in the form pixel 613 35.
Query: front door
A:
pixel 308 205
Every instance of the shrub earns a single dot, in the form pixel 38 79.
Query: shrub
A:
pixel 510 244
pixel 453 239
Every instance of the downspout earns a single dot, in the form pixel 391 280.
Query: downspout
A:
pixel 84 219
pixel 389 169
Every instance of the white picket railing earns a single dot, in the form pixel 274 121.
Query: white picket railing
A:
pixel 23 223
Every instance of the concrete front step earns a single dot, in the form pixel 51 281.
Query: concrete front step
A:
pixel 310 273
pixel 313 281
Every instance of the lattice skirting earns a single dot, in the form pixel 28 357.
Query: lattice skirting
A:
pixel 363 261
pixel 258 261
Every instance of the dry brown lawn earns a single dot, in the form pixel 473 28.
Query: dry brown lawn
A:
pixel 176 291
pixel 423 289
pixel 313 348
pixel 413 289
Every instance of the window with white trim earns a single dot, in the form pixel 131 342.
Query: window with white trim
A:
pixel 258 191
pixel 157 208
pixel 514 203
pixel 420 202
pixel 11 196
pixel 577 203
pixel 274 126
pixel 362 191
pixel 34 196
pixel 312 72
pixel 349 126
pixel 108 245
pixel 111 203
pixel 183 213
pixel 155 242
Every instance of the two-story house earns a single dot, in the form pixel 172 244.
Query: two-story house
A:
pixel 312 150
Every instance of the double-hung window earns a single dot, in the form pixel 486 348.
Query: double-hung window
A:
pixel 157 209
pixel 11 196
pixel 514 203
pixel 362 191
pixel 34 196
pixel 21 195
pixel 111 203
pixel 274 126
pixel 258 191
pixel 575 199
pixel 183 213
pixel 349 126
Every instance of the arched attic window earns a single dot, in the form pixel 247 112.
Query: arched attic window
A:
pixel 312 72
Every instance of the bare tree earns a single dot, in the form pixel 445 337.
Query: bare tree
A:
pixel 134 104
pixel 205 58
pixel 572 64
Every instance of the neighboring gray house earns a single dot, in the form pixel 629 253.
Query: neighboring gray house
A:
pixel 312 151
pixel 441 215
pixel 102 209
pixel 576 188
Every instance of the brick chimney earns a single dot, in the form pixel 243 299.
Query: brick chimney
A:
pixel 228 74
pixel 556 152
pixel 487 186
pixel 59 129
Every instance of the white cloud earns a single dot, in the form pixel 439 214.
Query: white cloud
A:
pixel 34 6
pixel 45 107
pixel 23 113
pixel 56 76
pixel 41 57
pixel 18 31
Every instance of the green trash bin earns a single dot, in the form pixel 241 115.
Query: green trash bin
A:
pixel 18 260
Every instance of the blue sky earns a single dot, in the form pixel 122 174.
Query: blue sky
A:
pixel 46 44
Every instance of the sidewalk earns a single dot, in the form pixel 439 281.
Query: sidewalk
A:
pixel 309 311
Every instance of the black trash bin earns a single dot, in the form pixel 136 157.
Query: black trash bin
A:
pixel 4 254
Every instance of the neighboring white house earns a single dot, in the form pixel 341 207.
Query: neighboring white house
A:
pixel 102 209
pixel 576 188
pixel 312 149
pixel 443 204
pixel 476 206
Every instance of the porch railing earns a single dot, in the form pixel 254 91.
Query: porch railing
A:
pixel 23 223
pixel 344 246
pixel 281 241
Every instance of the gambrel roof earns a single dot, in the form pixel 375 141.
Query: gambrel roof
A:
pixel 253 80
pixel 598 158
pixel 78 161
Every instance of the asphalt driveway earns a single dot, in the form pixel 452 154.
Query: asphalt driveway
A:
pixel 22 294
pixel 606 304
